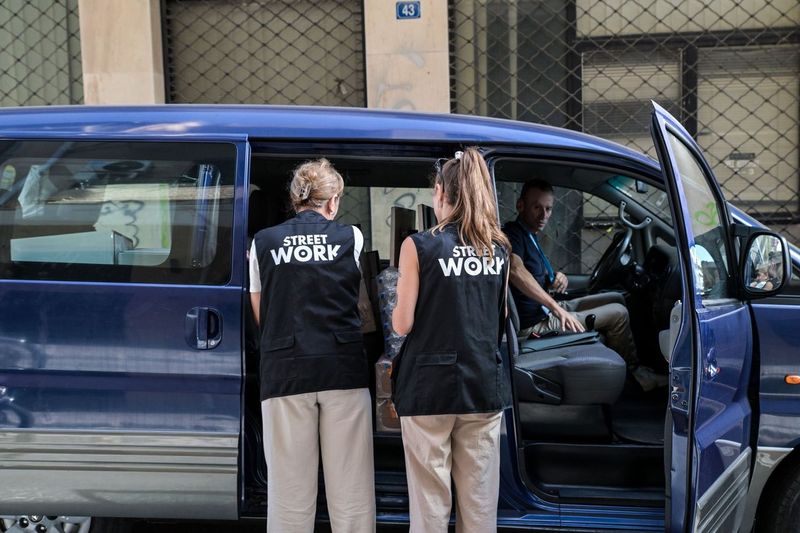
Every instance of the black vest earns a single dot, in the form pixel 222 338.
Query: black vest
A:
pixel 450 363
pixel 310 327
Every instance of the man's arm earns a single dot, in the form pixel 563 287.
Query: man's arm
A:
pixel 523 281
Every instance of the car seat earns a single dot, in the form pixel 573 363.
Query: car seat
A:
pixel 566 369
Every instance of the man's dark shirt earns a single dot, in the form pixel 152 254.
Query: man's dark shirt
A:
pixel 530 311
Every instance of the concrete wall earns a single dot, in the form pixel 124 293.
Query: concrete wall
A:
pixel 122 51
pixel 407 60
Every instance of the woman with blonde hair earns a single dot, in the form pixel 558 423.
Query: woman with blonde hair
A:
pixel 450 385
pixel 304 281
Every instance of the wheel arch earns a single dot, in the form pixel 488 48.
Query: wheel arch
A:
pixel 773 467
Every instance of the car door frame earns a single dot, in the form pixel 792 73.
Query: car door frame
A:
pixel 725 498
pixel 542 509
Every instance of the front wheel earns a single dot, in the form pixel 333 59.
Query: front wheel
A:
pixel 780 510
pixel 62 524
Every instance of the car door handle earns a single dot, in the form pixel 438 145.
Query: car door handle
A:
pixel 203 328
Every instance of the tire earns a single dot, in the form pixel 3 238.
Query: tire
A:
pixel 779 511
pixel 111 525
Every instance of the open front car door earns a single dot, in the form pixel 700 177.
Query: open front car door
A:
pixel 709 414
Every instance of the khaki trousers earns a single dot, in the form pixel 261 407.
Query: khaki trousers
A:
pixel 611 319
pixel 464 446
pixel 296 428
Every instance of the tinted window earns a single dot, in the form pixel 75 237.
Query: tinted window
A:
pixel 116 211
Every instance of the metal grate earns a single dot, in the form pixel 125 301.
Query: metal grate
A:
pixel 265 52
pixel 729 70
pixel 40 53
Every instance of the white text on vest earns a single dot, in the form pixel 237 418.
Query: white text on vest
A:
pixel 467 261
pixel 305 248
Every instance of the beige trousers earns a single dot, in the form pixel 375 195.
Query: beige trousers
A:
pixel 296 428
pixel 464 446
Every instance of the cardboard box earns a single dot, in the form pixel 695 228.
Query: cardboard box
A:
pixel 386 418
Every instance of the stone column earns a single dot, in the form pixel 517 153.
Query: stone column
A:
pixel 407 60
pixel 121 51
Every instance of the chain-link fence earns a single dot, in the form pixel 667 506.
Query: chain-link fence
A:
pixel 265 52
pixel 40 53
pixel 728 69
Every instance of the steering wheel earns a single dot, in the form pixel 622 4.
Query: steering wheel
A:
pixel 615 258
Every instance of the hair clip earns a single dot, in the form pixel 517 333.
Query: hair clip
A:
pixel 458 155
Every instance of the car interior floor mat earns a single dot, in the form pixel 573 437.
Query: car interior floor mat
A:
pixel 638 416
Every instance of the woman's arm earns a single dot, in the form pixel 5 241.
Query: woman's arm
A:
pixel 407 288
pixel 255 301
pixel 255 282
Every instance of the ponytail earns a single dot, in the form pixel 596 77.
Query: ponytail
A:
pixel 467 186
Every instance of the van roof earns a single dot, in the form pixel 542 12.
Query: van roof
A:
pixel 293 123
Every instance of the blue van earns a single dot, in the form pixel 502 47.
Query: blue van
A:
pixel 128 364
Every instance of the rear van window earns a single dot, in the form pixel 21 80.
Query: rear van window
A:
pixel 154 212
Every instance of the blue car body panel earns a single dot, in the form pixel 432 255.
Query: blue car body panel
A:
pixel 779 338
pixel 88 356
pixel 292 123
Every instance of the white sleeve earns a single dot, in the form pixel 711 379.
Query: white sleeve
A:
pixel 359 245
pixel 255 272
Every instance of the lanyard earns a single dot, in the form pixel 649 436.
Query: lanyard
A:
pixel 551 276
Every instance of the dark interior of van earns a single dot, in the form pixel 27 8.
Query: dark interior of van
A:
pixel 583 430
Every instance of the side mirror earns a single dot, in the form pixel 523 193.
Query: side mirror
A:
pixel 641 187
pixel 765 265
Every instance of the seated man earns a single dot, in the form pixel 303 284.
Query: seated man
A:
pixel 531 273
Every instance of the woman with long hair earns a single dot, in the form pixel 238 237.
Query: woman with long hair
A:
pixel 304 281
pixel 450 385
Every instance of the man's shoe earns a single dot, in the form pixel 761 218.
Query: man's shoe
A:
pixel 648 379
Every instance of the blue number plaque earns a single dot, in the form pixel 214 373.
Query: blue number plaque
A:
pixel 407 10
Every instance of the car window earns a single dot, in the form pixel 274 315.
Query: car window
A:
pixel 110 211
pixel 580 229
pixel 710 252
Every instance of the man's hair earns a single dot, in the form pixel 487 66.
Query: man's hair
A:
pixel 535 183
